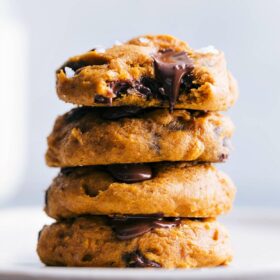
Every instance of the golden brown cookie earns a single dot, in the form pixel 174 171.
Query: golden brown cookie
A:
pixel 149 71
pixel 175 190
pixel 99 136
pixel 99 242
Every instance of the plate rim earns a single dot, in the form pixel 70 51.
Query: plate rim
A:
pixel 228 272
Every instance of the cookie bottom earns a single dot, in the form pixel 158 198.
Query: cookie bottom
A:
pixel 93 242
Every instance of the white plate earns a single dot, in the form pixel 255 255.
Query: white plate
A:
pixel 255 235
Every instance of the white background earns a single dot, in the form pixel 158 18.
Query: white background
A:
pixel 247 31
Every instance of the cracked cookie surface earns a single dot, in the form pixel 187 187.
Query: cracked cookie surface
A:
pixel 126 75
pixel 92 242
pixel 99 136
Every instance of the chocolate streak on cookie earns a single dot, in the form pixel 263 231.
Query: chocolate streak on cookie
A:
pixel 170 68
pixel 136 259
pixel 76 114
pixel 130 173
pixel 128 227
pixel 115 113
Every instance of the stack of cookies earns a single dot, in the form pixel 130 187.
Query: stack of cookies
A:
pixel 137 187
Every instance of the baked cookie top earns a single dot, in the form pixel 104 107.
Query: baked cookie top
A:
pixel 101 136
pixel 149 71
pixel 173 189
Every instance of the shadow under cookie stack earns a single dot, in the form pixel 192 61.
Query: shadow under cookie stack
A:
pixel 137 187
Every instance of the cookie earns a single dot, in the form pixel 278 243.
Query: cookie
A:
pixel 134 242
pixel 149 71
pixel 175 190
pixel 99 136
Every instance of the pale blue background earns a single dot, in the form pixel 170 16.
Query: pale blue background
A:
pixel 247 31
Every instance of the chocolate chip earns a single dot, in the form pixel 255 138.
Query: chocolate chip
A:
pixel 125 218
pixel 187 83
pixel 120 87
pixel 115 113
pixel 67 170
pixel 87 258
pixel 151 84
pixel 223 157
pixel 137 259
pixel 128 227
pixel 76 114
pixel 143 90
pixel 170 68
pixel 123 87
pixel 146 87
pixel 130 173
pixel 46 197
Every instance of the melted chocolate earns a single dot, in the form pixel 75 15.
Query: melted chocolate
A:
pixel 121 87
pixel 46 197
pixel 136 259
pixel 128 227
pixel 142 87
pixel 115 113
pixel 67 170
pixel 76 114
pixel 130 173
pixel 170 68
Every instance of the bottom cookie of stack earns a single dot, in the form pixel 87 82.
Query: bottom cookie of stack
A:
pixel 135 241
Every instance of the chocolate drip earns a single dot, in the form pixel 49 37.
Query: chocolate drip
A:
pixel 170 67
pixel 46 197
pixel 115 113
pixel 128 227
pixel 77 114
pixel 67 170
pixel 131 173
pixel 136 259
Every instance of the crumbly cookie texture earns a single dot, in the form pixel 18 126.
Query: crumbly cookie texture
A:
pixel 125 75
pixel 87 136
pixel 175 190
pixel 91 242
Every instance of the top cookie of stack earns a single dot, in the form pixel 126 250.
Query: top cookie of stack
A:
pixel 139 73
